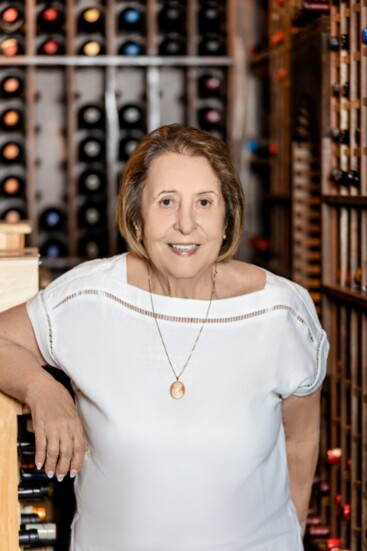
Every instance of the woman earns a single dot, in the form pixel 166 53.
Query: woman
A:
pixel 197 377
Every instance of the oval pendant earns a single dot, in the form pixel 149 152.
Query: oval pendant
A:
pixel 177 390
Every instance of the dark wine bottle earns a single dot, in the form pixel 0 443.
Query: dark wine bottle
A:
pixel 52 218
pixel 11 119
pixel 172 44
pixel 92 181
pixel 172 17
pixel 11 152
pixel 344 41
pixel 128 144
pixel 346 89
pixel 91 214
pixel 91 116
pixel 92 246
pixel 91 149
pixel 210 85
pixel 54 45
pixel 29 518
pixel 53 248
pixel 32 491
pixel 11 86
pixel 51 18
pixel 44 534
pixel 131 20
pixel 211 17
pixel 132 48
pixel 29 475
pixel 91 20
pixel 13 214
pixel 11 17
pixel 212 44
pixel 11 185
pixel 12 46
pixel 334 43
pixel 92 48
pixel 132 116
pixel 210 117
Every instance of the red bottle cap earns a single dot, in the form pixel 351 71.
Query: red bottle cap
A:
pixel 333 544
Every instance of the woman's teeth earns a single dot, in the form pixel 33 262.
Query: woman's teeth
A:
pixel 184 247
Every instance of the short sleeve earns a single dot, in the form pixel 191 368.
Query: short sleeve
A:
pixel 305 348
pixel 40 319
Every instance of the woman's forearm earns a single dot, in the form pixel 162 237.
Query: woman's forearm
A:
pixel 302 461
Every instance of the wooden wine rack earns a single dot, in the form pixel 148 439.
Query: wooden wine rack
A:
pixel 56 86
pixel 344 253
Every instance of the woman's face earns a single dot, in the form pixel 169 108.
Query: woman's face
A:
pixel 183 214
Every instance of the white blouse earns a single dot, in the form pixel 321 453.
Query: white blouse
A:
pixel 204 473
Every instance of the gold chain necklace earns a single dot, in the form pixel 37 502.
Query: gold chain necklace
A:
pixel 177 388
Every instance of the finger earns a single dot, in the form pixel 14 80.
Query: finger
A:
pixel 41 446
pixel 80 449
pixel 66 453
pixel 52 455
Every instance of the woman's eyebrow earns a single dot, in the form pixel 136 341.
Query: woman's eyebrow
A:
pixel 175 191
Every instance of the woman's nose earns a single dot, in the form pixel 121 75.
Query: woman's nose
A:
pixel 185 222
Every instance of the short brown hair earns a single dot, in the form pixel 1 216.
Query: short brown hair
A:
pixel 185 140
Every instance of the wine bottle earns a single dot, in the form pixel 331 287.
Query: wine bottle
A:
pixel 212 44
pixel 33 491
pixel 346 89
pixel 172 44
pixel 30 518
pixel 92 246
pixel 11 17
pixel 210 117
pixel 41 533
pixel 91 149
pixel 364 35
pixel 11 86
pixel 132 48
pixel 12 46
pixel 92 48
pixel 344 41
pixel 13 214
pixel 11 119
pixel 211 17
pixel 131 20
pixel 92 181
pixel 91 116
pixel 336 90
pixel 334 43
pixel 30 475
pixel 52 218
pixel 132 115
pixel 12 185
pixel 128 144
pixel 51 18
pixel 210 85
pixel 51 46
pixel 172 17
pixel 53 248
pixel 11 152
pixel 91 20
pixel 91 214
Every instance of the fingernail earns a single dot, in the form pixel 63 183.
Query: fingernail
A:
pixel 39 466
pixel 87 452
pixel 60 477
pixel 73 474
pixel 50 474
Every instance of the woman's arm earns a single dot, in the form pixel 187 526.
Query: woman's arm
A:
pixel 60 441
pixel 301 420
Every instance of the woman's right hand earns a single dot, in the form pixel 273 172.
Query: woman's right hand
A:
pixel 60 439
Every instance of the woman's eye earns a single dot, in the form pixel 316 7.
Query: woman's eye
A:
pixel 204 202
pixel 166 202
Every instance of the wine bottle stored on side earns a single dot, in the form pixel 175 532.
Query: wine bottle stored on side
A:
pixel 11 185
pixel 11 85
pixel 211 17
pixel 172 17
pixel 212 44
pixel 131 19
pixel 211 85
pixel 92 181
pixel 92 47
pixel 92 245
pixel 11 17
pixel 210 118
pixel 91 116
pixel 11 119
pixel 54 45
pixel 44 534
pixel 128 144
pixel 53 248
pixel 51 18
pixel 132 115
pixel 91 149
pixel 91 20
pixel 92 214
pixel 132 47
pixel 172 44
pixel 13 214
pixel 12 152
pixel 11 46
pixel 32 491
pixel 52 218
